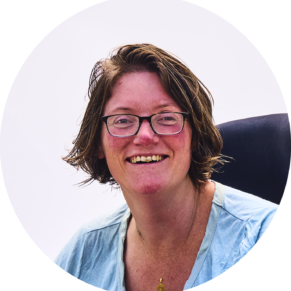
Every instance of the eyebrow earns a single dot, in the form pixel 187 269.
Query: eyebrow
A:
pixel 129 109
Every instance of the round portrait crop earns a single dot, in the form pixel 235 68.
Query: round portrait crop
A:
pixel 148 129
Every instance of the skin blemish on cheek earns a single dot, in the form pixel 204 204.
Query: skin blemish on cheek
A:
pixel 120 82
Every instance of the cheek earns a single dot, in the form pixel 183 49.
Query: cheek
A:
pixel 182 149
pixel 182 142
pixel 112 146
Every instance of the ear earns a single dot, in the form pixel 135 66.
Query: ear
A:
pixel 101 154
pixel 194 144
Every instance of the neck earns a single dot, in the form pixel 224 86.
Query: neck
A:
pixel 164 220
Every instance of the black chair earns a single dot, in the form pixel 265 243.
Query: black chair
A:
pixel 260 148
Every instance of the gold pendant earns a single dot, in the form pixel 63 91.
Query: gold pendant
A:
pixel 161 287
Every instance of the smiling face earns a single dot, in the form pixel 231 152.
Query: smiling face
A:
pixel 142 94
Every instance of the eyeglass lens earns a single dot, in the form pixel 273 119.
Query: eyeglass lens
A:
pixel 163 123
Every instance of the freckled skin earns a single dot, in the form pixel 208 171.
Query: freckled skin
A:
pixel 141 93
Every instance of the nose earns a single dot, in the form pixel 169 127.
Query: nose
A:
pixel 145 135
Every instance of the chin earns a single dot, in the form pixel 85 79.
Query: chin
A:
pixel 149 188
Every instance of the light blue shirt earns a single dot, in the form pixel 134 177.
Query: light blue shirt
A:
pixel 237 220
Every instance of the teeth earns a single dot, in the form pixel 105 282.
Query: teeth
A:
pixel 146 159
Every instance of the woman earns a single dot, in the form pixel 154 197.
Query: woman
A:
pixel 148 128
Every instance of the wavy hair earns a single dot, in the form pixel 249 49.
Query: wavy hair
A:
pixel 181 85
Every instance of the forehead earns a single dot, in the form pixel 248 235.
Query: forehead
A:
pixel 139 93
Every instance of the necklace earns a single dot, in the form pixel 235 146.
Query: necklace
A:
pixel 161 287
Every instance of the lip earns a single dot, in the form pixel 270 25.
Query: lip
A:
pixel 146 164
pixel 147 155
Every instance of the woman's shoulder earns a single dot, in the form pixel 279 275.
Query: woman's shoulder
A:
pixel 104 222
pixel 237 221
pixel 242 205
pixel 110 219
pixel 242 215
pixel 100 233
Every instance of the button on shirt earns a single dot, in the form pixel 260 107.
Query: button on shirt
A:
pixel 237 221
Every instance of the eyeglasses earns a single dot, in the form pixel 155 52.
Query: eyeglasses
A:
pixel 166 123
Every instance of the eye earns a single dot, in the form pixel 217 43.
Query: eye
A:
pixel 123 119
pixel 168 118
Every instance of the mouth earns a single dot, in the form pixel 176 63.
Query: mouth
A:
pixel 146 159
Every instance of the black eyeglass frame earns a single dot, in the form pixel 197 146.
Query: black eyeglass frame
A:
pixel 149 119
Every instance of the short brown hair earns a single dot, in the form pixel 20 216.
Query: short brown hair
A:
pixel 178 81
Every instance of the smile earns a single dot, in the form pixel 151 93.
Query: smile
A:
pixel 146 159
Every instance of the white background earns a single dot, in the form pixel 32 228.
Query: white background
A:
pixel 47 97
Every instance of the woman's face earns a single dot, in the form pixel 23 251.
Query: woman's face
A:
pixel 142 94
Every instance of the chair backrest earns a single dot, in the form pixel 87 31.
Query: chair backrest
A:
pixel 260 148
